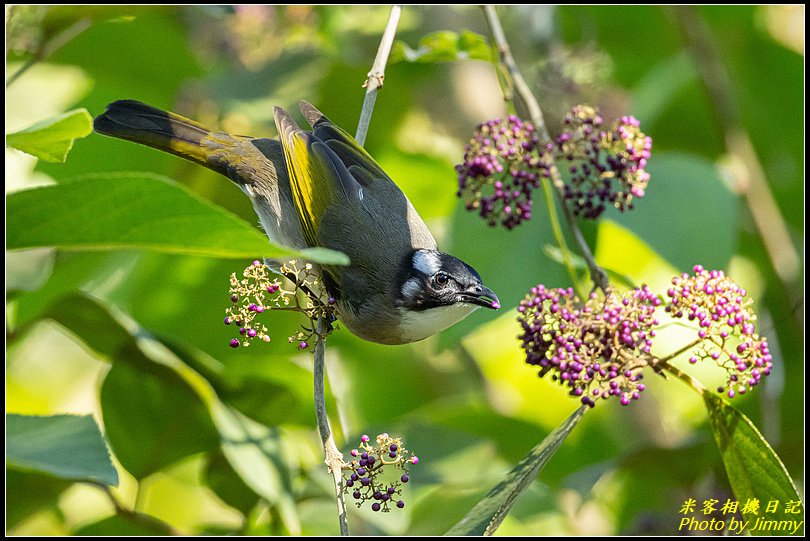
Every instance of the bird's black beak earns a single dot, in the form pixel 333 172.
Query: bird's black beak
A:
pixel 482 296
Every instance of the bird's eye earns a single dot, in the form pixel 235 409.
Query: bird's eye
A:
pixel 441 279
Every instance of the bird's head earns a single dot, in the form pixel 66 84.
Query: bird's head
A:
pixel 437 290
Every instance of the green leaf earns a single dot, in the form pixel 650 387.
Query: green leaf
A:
pixel 33 492
pixel 153 417
pixel 137 211
pixel 678 181
pixel 754 469
pixel 487 515
pixel 444 46
pixel 226 483
pixel 52 139
pixel 119 525
pixel 254 452
pixel 65 446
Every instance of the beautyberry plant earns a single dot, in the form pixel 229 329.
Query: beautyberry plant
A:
pixel 598 348
pixel 599 166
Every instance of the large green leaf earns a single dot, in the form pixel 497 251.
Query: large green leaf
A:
pixel 32 492
pixel 153 417
pixel 254 451
pixel 487 515
pixel 158 408
pixel 66 446
pixel 754 469
pixel 52 139
pixel 136 211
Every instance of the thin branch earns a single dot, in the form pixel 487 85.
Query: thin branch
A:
pixel 521 87
pixel 749 175
pixel 598 274
pixel 333 457
pixel 377 73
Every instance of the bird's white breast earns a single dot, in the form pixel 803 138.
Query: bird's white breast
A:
pixel 419 324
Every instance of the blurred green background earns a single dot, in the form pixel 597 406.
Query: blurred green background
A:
pixel 463 401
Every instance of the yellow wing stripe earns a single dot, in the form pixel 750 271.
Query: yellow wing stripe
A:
pixel 301 173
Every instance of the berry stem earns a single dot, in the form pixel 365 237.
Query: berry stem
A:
pixel 686 378
pixel 560 238
pixel 665 360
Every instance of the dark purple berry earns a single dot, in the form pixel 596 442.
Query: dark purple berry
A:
pixel 228 321
pixel 365 481
pixel 234 343
pixel 355 477
pixel 364 455
pixel 400 504
pixel 393 447
pixel 357 495
pixel 375 506
pixel 392 454
pixel 404 478
pixel 361 471
pixel 391 490
pixel 349 483
pixel 377 495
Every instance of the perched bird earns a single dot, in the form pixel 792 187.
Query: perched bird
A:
pixel 321 188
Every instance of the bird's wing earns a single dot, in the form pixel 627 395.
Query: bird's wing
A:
pixel 318 179
pixel 383 198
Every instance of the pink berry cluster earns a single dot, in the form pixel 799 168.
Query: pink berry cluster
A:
pixel 505 161
pixel 602 167
pixel 725 326
pixel 502 167
pixel 377 472
pixel 597 348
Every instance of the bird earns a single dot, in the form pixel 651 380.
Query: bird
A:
pixel 320 188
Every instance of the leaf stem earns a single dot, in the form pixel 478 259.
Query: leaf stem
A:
pixel 375 77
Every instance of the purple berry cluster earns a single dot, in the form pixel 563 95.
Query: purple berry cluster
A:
pixel 502 167
pixel 601 167
pixel 505 161
pixel 369 477
pixel 596 349
pixel 724 319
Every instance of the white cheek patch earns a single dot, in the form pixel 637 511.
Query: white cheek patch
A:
pixel 411 288
pixel 428 263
